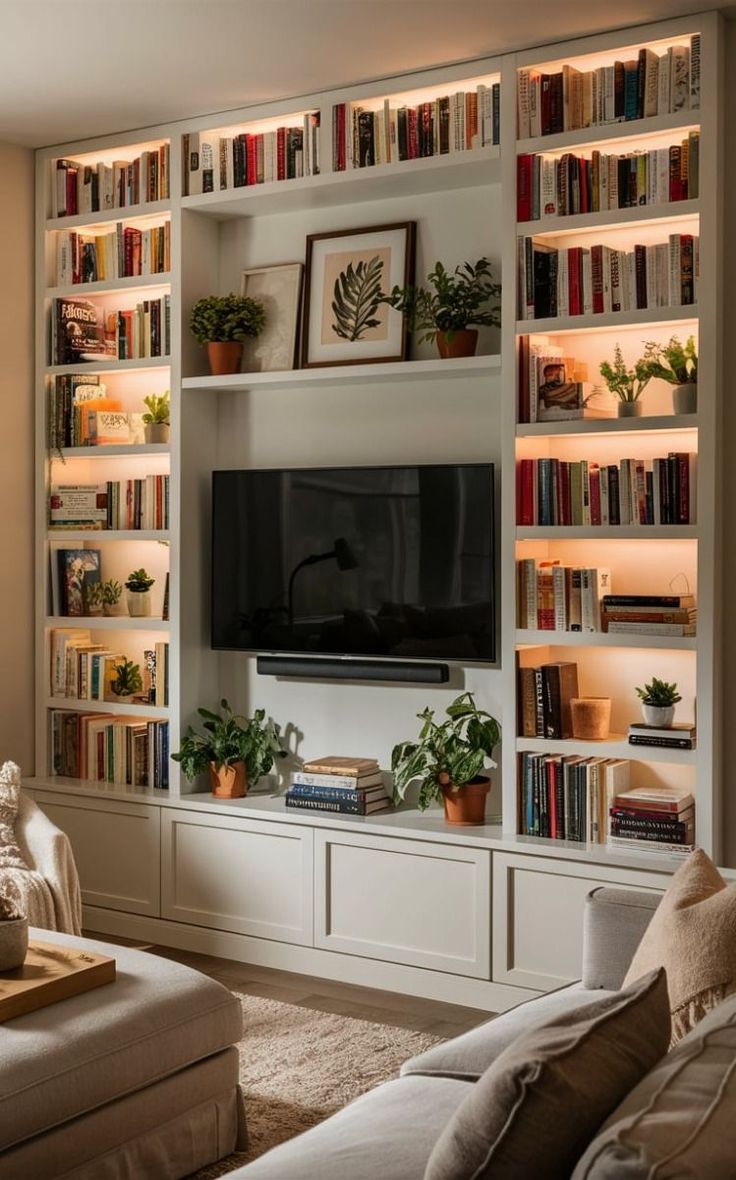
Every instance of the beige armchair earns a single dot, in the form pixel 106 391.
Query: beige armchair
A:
pixel 49 885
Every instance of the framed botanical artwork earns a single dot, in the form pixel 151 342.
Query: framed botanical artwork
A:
pixel 279 288
pixel 345 322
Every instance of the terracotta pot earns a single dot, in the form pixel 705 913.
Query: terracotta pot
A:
pixel 13 943
pixel 225 356
pixel 229 782
pixel 461 343
pixel 468 805
pixel 591 718
pixel 630 409
pixel 156 432
pixel 685 398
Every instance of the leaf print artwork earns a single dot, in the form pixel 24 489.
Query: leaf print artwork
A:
pixel 356 299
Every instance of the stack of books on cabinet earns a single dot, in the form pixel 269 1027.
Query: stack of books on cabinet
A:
pixel 349 786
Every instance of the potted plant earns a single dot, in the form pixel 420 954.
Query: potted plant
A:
pixel 448 759
pixel 223 322
pixel 627 384
pixel 138 584
pixel 13 927
pixel 677 363
pixel 127 680
pixel 111 593
pixel 454 300
pixel 236 750
pixel 93 597
pixel 156 419
pixel 658 701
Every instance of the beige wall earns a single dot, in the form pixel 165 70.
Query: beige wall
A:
pixel 16 455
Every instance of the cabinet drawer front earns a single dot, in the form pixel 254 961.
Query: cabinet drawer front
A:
pixel 240 875
pixel 404 901
pixel 538 915
pixel 116 847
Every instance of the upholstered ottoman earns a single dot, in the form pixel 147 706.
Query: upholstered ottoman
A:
pixel 135 1078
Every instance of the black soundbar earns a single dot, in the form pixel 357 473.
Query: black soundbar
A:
pixel 313 667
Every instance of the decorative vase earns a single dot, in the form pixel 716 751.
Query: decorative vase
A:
pixel 156 432
pixel 229 782
pixel 139 603
pixel 461 343
pixel 13 943
pixel 467 806
pixel 630 409
pixel 225 356
pixel 659 715
pixel 591 718
pixel 685 398
pixel 111 610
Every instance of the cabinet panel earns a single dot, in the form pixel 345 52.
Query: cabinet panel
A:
pixel 116 847
pixel 250 877
pixel 404 901
pixel 538 915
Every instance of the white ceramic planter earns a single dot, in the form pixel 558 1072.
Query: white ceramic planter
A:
pixel 13 943
pixel 660 715
pixel 139 603
pixel 685 398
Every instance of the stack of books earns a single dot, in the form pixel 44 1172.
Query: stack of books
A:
pixel 544 700
pixel 352 786
pixel 554 597
pixel 649 614
pixel 682 736
pixel 654 819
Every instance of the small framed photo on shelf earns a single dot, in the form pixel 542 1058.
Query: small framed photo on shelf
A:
pixel 279 289
pixel 348 271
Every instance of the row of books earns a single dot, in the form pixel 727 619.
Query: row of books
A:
pixel 555 597
pixel 458 122
pixel 544 695
pixel 648 614
pixel 351 786
pixel 122 253
pixel 653 819
pixel 551 385
pixel 567 797
pixel 84 670
pixel 582 281
pixel 93 188
pixel 115 504
pixel 639 88
pixel 630 492
pixel 547 186
pixel 213 163
pixel 82 332
pixel 130 751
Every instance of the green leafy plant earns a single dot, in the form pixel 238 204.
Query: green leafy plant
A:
pixel 674 361
pixel 226 317
pixel 94 596
pixel 452 752
pixel 230 738
pixel 159 409
pixel 139 580
pixel 111 591
pixel 627 384
pixel 127 679
pixel 454 300
pixel 356 299
pixel 659 694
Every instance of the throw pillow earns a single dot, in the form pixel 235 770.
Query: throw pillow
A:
pixel 679 1120
pixel 537 1106
pixel 10 854
pixel 692 935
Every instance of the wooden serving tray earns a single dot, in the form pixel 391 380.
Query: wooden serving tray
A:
pixel 51 973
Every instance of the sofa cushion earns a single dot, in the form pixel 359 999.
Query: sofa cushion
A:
pixel 536 1108
pixel 692 935
pixel 70 1057
pixel 679 1120
pixel 469 1055
pixel 387 1133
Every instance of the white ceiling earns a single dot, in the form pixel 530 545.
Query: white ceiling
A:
pixel 76 68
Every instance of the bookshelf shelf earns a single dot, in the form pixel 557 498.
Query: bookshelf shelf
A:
pixel 610 320
pixel 110 451
pixel 615 746
pixel 604 639
pixel 610 219
pixel 610 133
pixel 132 283
pixel 136 365
pixel 106 217
pixel 654 424
pixel 642 532
pixel 431 370
pixel 148 711
pixel 109 623
pixel 98 535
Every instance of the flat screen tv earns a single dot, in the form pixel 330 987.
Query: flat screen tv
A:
pixel 392 562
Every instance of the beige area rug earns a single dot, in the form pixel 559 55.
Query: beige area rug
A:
pixel 297 1066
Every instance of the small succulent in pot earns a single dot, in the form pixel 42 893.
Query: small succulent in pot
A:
pixel 658 700
pixel 627 384
pixel 138 584
pixel 94 598
pixel 111 594
pixel 127 679
pixel 157 417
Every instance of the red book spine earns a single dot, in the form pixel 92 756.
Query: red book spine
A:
pixel 281 154
pixel 127 251
pixel 524 172
pixel 683 489
pixel 675 182
pixel 574 277
pixel 251 160
pixel 413 133
pixel 341 137
pixel 525 503
pixel 566 513
pixel 596 266
pixel 71 191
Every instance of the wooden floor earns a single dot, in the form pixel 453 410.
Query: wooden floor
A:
pixel 324 995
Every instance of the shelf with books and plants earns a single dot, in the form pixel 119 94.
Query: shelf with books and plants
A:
pixel 109 255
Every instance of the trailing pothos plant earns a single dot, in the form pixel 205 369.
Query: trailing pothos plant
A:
pixel 356 297
pixel 230 738
pixel 453 301
pixel 450 753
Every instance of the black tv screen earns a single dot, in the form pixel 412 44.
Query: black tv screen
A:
pixel 364 561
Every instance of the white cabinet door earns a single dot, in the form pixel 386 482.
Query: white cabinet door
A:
pixel 538 915
pixel 403 901
pixel 247 876
pixel 116 847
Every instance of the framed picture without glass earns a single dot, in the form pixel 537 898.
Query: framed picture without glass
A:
pixel 279 289
pixel 345 322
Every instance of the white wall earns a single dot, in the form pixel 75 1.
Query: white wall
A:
pixel 16 455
